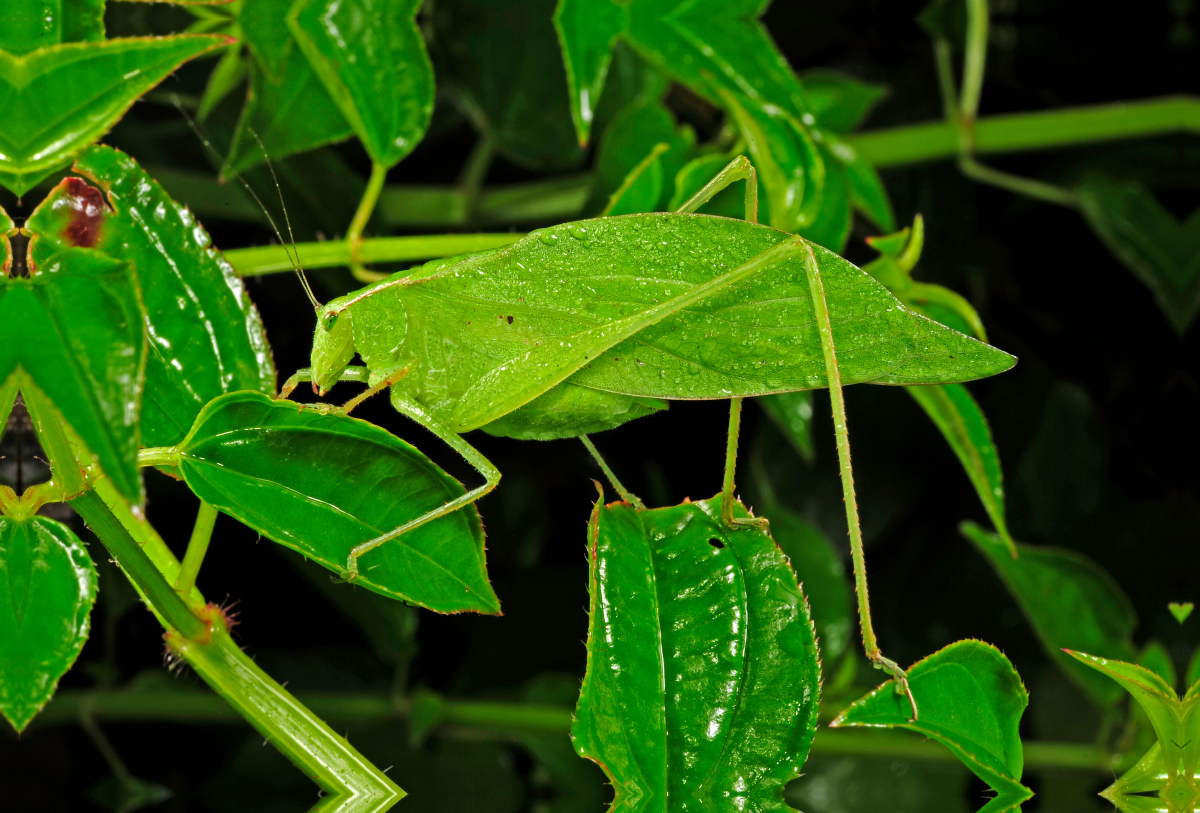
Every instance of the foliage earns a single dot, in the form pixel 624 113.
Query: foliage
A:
pixel 649 139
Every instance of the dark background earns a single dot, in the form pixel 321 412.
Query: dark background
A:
pixel 1093 428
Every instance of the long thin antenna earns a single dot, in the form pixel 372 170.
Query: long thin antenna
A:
pixel 289 247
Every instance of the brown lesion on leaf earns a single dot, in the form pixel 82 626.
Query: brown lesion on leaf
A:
pixel 86 212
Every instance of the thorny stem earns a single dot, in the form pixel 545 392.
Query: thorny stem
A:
pixel 870 644
pixel 365 207
pixel 206 519
pixel 626 495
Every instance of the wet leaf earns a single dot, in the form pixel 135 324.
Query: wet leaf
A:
pixel 30 26
pixel 502 62
pixel 85 310
pixel 702 680
pixel 47 588
pixel 587 32
pixel 965 427
pixel 371 58
pixel 1162 253
pixel 60 99
pixel 839 102
pixel 206 337
pixel 1070 601
pixel 322 484
pixel 970 699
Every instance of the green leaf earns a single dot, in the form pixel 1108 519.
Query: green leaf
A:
pixel 866 189
pixel 323 483
pixel 839 102
pixel 1070 601
pixel 292 115
pixel 513 88
pixel 47 588
pixel 822 576
pixel 587 32
pixel 30 26
pixel 229 73
pixel 970 699
pixel 831 226
pixel 792 412
pixel 642 187
pixel 60 99
pixel 572 409
pixel 265 29
pixel 1162 253
pixel 1155 657
pixel 635 132
pixel 1181 610
pixel 702 679
pixel 963 424
pixel 206 337
pixel 84 309
pixel 371 59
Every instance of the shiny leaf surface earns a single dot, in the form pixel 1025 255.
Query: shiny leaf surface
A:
pixel 1070 601
pixel 1162 253
pixel 634 133
pixel 322 484
pixel 587 32
pixel 970 700
pixel 839 102
pixel 47 588
pixel 702 679
pixel 206 338
pixel 963 424
pixel 371 58
pixel 85 311
pixel 60 99
pixel 29 26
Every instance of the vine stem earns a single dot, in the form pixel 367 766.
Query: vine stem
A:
pixel 248 262
pixel 206 520
pixel 365 207
pixel 841 432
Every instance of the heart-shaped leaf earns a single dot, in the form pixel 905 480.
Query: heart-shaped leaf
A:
pixel 75 328
pixel 970 699
pixel 47 588
pixel 60 99
pixel 321 484
pixel 205 335
pixel 1070 601
pixel 702 677
pixel 1181 610
pixel 370 56
pixel 1162 253
pixel 30 26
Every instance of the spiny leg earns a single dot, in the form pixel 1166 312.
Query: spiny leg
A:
pixel 626 495
pixel 870 645
pixel 304 374
pixel 738 169
pixel 391 379
pixel 468 452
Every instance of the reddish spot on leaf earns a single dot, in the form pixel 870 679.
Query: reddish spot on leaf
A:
pixel 86 212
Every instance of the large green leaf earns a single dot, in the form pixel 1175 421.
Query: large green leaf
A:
pixel 205 335
pixel 371 58
pixel 1070 601
pixel 965 427
pixel 75 329
pixel 60 99
pixel 323 483
pixel 970 699
pixel 47 588
pixel 702 678
pixel 1162 253
pixel 501 63
pixel 30 26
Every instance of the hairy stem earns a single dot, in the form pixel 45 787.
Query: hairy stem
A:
pixel 626 495
pixel 731 450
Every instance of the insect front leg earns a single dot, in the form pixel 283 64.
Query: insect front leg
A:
pixel 305 374
pixel 468 452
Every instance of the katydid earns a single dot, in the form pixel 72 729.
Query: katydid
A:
pixel 590 324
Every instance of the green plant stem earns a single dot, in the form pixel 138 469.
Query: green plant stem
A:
pixel 137 565
pixel 731 450
pixel 1029 187
pixel 626 495
pixel 334 254
pixel 206 519
pixel 197 707
pixel 365 207
pixel 945 74
pixel 974 60
pixel 1022 132
pixel 551 201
